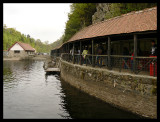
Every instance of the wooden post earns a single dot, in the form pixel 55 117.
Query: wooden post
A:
pixel 66 49
pixel 106 52
pixel 80 53
pixel 109 53
pixel 62 50
pixel 68 53
pixel 135 53
pixel 56 53
pixel 121 48
pixel 93 53
pixel 73 60
pixel 121 53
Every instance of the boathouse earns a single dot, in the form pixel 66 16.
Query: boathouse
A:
pixel 127 76
pixel 19 49
pixel 120 37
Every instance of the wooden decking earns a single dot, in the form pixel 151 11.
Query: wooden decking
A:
pixel 52 70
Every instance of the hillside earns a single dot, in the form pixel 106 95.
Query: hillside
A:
pixel 11 35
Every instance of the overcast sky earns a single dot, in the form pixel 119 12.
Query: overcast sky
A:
pixel 44 21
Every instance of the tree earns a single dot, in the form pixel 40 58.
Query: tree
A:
pixel 79 17
pixel 117 9
pixel 28 36
pixel 46 42
pixel 11 35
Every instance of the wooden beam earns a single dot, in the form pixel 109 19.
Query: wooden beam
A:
pixel 109 52
pixel 73 60
pixel 80 53
pixel 68 52
pixel 135 53
pixel 93 53
pixel 52 70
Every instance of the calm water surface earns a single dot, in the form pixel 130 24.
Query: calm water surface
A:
pixel 29 93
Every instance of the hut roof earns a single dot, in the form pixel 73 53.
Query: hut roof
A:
pixel 136 21
pixel 25 46
pixel 58 47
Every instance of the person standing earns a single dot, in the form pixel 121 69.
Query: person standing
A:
pixel 132 54
pixel 79 55
pixel 71 54
pixel 84 53
pixel 153 64
pixel 153 48
pixel 99 52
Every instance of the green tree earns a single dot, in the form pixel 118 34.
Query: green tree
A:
pixel 117 9
pixel 79 17
pixel 11 35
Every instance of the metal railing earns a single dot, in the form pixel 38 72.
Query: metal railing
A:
pixel 146 65
pixel 121 63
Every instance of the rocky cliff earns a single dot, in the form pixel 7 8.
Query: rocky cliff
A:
pixel 102 9
pixel 109 10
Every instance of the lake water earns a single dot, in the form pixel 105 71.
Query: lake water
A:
pixel 29 93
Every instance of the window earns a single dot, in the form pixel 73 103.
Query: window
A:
pixel 17 51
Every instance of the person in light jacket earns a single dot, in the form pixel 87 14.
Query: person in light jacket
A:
pixel 84 53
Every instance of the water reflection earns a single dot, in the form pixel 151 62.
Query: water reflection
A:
pixel 31 93
pixel 81 106
pixel 8 78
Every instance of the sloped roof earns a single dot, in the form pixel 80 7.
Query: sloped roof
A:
pixel 55 48
pixel 25 46
pixel 137 21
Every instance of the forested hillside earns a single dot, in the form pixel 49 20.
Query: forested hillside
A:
pixel 79 17
pixel 11 35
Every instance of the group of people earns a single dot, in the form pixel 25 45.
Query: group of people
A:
pixel 100 51
pixel 86 58
pixel 153 52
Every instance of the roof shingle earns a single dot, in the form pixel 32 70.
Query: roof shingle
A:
pixel 137 21
pixel 25 46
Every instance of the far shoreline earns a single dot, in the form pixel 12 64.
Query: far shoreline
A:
pixel 37 57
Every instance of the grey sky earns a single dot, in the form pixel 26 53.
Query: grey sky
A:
pixel 44 21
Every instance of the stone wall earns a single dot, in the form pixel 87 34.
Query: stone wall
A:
pixel 22 54
pixel 5 53
pixel 133 93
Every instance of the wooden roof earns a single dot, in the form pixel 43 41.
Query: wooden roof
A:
pixel 137 21
pixel 55 48
pixel 25 46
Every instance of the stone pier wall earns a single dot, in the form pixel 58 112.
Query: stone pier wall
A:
pixel 130 92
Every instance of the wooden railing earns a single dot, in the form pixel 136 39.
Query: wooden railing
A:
pixel 121 63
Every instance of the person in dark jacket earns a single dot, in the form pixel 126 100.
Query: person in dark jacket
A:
pixel 99 52
pixel 153 48
pixel 132 54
